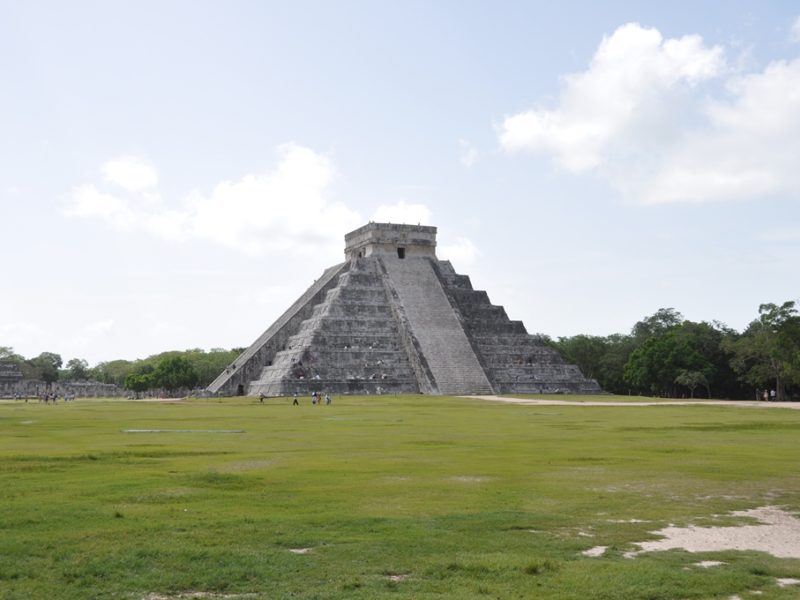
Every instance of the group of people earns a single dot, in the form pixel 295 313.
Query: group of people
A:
pixel 768 395
pixel 316 398
pixel 53 397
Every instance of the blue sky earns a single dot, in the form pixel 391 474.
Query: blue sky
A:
pixel 174 174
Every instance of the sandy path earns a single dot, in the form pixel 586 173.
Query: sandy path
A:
pixel 736 403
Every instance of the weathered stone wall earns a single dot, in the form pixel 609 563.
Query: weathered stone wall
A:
pixel 32 388
pixel 9 372
pixel 386 238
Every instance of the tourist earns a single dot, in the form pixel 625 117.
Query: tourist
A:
pixel 327 398
pixel 295 402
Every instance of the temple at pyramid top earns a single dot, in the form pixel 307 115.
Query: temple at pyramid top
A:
pixel 390 239
pixel 393 318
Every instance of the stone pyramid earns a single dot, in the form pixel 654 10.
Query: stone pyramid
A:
pixel 393 319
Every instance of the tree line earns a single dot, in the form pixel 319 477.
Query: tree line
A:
pixel 667 355
pixel 172 370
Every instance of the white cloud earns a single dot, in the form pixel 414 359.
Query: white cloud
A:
pixel 402 213
pixel 280 209
pixel 460 251
pixel 131 173
pixel 794 34
pixel 288 208
pixel 88 201
pixel 469 153
pixel 749 146
pixel 629 83
pixel 667 120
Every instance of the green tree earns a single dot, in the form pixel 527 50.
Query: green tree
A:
pixel 7 353
pixel 175 372
pixel 619 348
pixel 113 372
pixel 138 382
pixel 45 367
pixel 657 324
pixel 692 379
pixel 601 358
pixel 208 365
pixel 708 340
pixel 585 351
pixel 640 370
pixel 657 363
pixel 77 369
pixel 767 354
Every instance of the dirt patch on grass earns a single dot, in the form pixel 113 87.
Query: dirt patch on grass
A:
pixel 596 551
pixel 778 534
pixel 300 550
pixel 707 564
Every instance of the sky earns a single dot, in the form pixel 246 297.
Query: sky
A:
pixel 174 174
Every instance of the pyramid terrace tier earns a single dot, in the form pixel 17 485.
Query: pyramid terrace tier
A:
pixel 514 361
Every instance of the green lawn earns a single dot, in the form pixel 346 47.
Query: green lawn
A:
pixel 608 398
pixel 394 497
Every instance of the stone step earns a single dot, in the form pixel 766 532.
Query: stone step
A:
pixel 434 324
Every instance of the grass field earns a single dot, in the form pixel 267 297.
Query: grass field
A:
pixel 387 497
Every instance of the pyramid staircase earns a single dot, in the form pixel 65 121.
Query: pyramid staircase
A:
pixel 442 340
